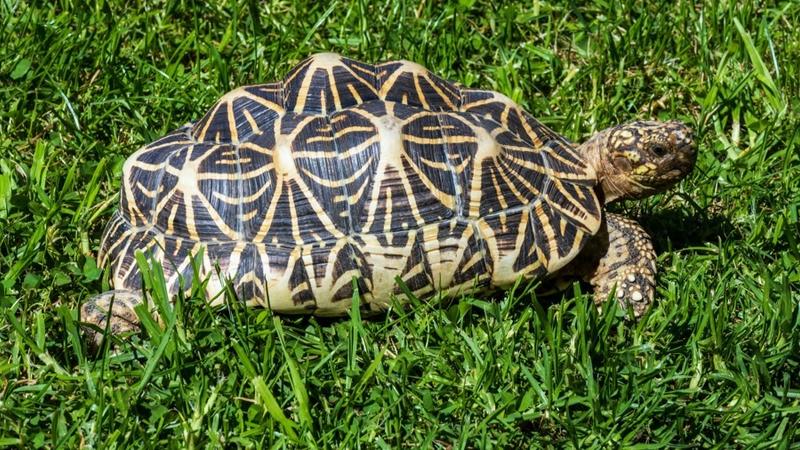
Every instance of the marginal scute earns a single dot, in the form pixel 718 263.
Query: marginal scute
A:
pixel 386 256
pixel 455 256
pixel 121 242
pixel 417 274
pixel 300 284
pixel 509 238
pixel 558 240
pixel 344 177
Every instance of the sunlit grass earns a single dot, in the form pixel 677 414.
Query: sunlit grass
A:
pixel 715 363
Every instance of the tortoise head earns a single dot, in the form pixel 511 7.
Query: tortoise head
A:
pixel 641 158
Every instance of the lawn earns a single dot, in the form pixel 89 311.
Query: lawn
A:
pixel 716 362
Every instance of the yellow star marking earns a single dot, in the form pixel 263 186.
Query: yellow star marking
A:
pixel 422 99
pixel 333 88
pixel 251 121
pixel 232 123
pixel 354 93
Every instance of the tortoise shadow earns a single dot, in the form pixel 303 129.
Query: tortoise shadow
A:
pixel 680 228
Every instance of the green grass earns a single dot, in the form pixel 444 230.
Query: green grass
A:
pixel 715 363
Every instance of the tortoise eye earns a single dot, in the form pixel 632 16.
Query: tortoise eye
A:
pixel 659 150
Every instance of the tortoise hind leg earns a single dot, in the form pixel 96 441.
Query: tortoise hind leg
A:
pixel 122 319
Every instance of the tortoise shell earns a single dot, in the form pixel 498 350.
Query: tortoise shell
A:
pixel 348 176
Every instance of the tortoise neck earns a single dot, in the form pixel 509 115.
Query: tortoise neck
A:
pixel 610 181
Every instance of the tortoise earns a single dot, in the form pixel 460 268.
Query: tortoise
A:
pixel 346 177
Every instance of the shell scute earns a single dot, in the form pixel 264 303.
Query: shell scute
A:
pixel 413 85
pixel 241 113
pixel 328 82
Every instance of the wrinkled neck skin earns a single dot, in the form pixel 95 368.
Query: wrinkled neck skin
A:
pixel 613 184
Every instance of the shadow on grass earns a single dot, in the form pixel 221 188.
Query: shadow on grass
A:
pixel 680 228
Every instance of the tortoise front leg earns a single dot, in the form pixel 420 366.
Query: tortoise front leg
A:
pixel 620 259
pixel 628 267
pixel 122 318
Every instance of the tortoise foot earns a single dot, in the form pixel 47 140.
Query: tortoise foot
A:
pixel 113 310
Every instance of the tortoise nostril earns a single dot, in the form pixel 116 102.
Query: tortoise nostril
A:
pixel 683 138
pixel 690 144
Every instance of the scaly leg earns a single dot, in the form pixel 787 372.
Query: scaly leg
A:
pixel 628 267
pixel 620 258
